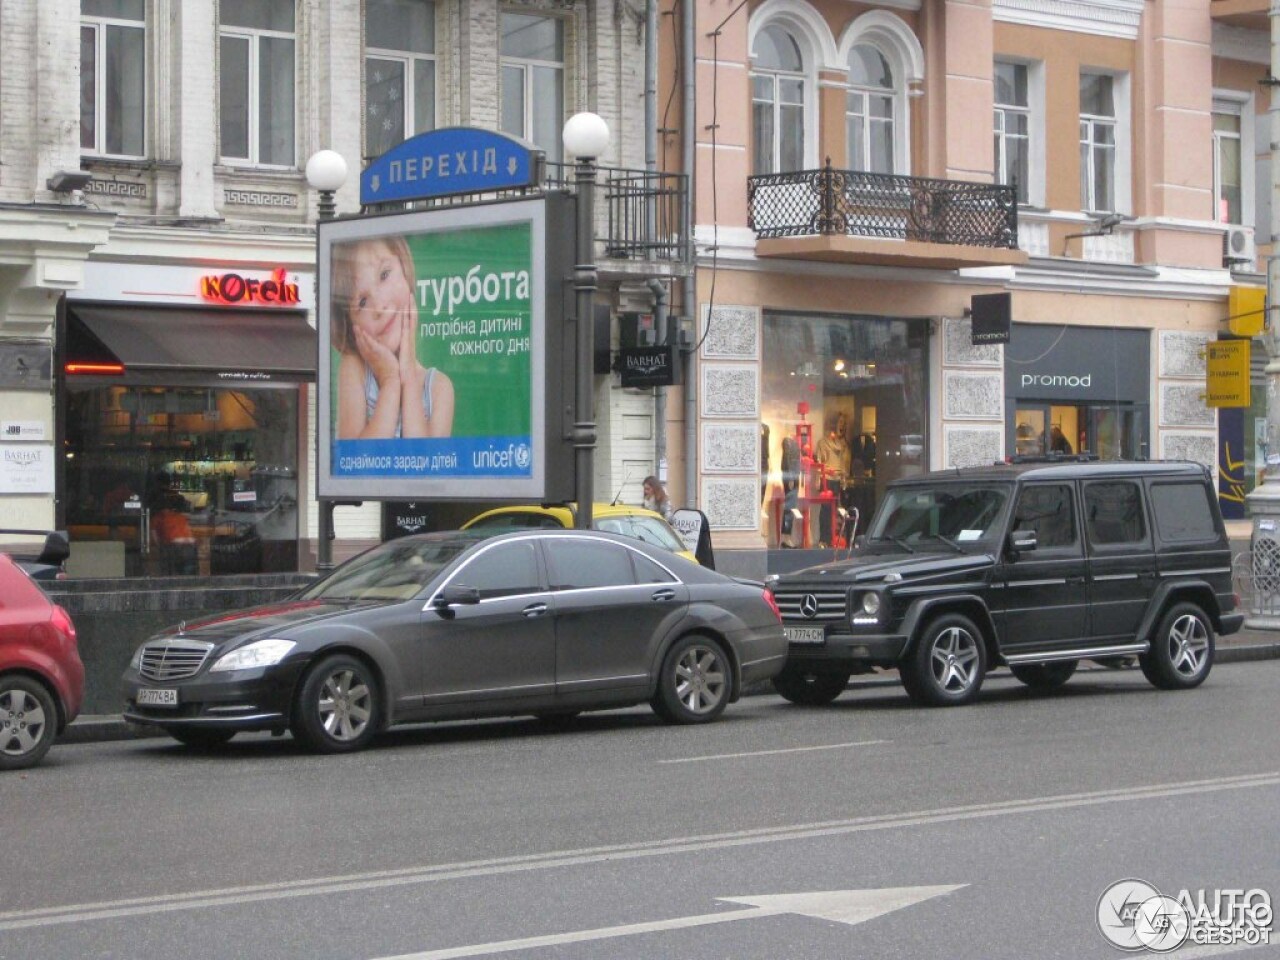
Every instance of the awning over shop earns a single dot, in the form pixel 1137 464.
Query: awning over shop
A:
pixel 235 344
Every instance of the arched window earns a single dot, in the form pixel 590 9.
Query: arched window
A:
pixel 870 111
pixel 779 95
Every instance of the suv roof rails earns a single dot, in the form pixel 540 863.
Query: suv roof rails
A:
pixel 1051 458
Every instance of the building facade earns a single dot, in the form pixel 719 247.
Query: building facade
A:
pixel 157 246
pixel 864 170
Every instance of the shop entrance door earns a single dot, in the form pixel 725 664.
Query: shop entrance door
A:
pixel 1111 432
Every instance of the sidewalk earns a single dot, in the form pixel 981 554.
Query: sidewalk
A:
pixel 1237 648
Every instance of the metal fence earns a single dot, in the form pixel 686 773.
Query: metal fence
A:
pixel 860 204
pixel 1256 573
pixel 640 211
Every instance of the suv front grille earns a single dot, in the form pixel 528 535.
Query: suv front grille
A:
pixel 173 659
pixel 831 604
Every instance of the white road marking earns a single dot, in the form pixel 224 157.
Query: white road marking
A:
pixel 257 893
pixel 769 753
pixel 841 906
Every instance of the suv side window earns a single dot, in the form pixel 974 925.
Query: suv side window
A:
pixel 1113 512
pixel 1049 510
pixel 1183 513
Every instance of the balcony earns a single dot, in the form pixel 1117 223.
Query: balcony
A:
pixel 639 214
pixel 848 216
pixel 1249 14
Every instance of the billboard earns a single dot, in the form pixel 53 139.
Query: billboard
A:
pixel 439 333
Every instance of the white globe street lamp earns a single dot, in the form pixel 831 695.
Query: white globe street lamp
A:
pixel 326 172
pixel 585 136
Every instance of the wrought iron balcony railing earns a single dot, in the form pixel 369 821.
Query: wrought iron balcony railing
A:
pixel 639 212
pixel 857 204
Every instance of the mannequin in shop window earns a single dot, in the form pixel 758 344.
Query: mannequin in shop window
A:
pixel 833 455
pixel 1058 442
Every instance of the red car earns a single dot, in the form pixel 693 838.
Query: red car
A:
pixel 41 676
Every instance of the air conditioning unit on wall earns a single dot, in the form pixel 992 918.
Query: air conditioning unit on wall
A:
pixel 1238 249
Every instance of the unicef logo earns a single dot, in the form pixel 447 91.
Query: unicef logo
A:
pixel 1134 915
pixel 523 456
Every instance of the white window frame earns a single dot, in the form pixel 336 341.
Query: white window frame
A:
pixel 867 94
pixel 901 48
pixel 817 52
pixel 524 65
pixel 1121 124
pixel 411 63
pixel 1034 111
pixel 253 35
pixel 1241 105
pixel 775 77
pixel 99 26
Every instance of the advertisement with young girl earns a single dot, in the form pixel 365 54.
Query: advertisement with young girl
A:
pixel 432 340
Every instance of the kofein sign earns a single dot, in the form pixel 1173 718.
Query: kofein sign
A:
pixel 437 364
pixel 648 366
pixel 1227 373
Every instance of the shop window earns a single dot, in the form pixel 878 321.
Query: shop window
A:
pixel 779 102
pixel 532 83
pixel 399 72
pixel 188 480
pixel 113 77
pixel 256 81
pixel 845 403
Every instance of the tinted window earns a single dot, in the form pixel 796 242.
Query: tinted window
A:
pixel 649 572
pixel 1182 512
pixel 954 511
pixel 575 564
pixel 1113 512
pixel 505 570
pixel 523 521
pixel 1048 510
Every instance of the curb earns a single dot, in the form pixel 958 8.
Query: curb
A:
pixel 107 727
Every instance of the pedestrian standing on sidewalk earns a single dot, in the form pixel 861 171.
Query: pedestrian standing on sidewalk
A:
pixel 655 497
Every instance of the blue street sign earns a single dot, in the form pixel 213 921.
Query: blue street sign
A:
pixel 448 161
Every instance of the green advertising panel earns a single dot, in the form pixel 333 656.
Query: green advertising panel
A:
pixel 434 331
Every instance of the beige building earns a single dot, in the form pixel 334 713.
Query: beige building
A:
pixel 864 170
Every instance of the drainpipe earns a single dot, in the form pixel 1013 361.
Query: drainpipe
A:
pixel 689 10
pixel 656 286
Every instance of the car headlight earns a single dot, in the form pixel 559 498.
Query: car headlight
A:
pixel 136 661
pixel 260 653
pixel 867 611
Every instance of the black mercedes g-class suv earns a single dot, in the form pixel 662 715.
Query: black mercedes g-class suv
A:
pixel 1033 565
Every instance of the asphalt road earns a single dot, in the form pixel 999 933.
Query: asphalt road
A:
pixel 982 832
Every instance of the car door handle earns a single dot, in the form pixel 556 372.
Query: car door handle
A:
pixel 663 595
pixel 1075 581
pixel 534 610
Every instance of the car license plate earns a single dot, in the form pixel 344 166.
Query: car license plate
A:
pixel 805 634
pixel 157 698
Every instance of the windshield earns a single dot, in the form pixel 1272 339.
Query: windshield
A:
pixel 953 513
pixel 394 571
pixel 649 529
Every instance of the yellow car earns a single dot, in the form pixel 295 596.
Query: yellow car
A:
pixel 621 518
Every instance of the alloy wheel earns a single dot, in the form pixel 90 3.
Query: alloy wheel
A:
pixel 954 659
pixel 1188 645
pixel 22 722
pixel 346 705
pixel 701 681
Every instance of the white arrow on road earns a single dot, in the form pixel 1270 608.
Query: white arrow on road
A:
pixel 842 906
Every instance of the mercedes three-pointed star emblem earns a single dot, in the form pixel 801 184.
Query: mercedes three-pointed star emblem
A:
pixel 809 605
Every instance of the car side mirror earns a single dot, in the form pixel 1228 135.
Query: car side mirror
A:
pixel 1021 541
pixel 456 595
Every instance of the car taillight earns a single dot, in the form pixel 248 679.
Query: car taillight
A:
pixel 773 604
pixel 62 621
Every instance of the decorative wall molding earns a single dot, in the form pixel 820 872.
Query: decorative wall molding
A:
pixel 1182 405
pixel 971 446
pixel 117 188
pixel 959 350
pixel 972 396
pixel 730 332
pixel 730 390
pixel 730 448
pixel 731 503
pixel 1198 447
pixel 1102 18
pixel 259 198
pixel 1183 354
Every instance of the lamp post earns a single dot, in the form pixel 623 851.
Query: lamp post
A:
pixel 326 172
pixel 586 136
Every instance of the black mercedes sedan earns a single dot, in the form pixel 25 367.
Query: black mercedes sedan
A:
pixel 446 626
